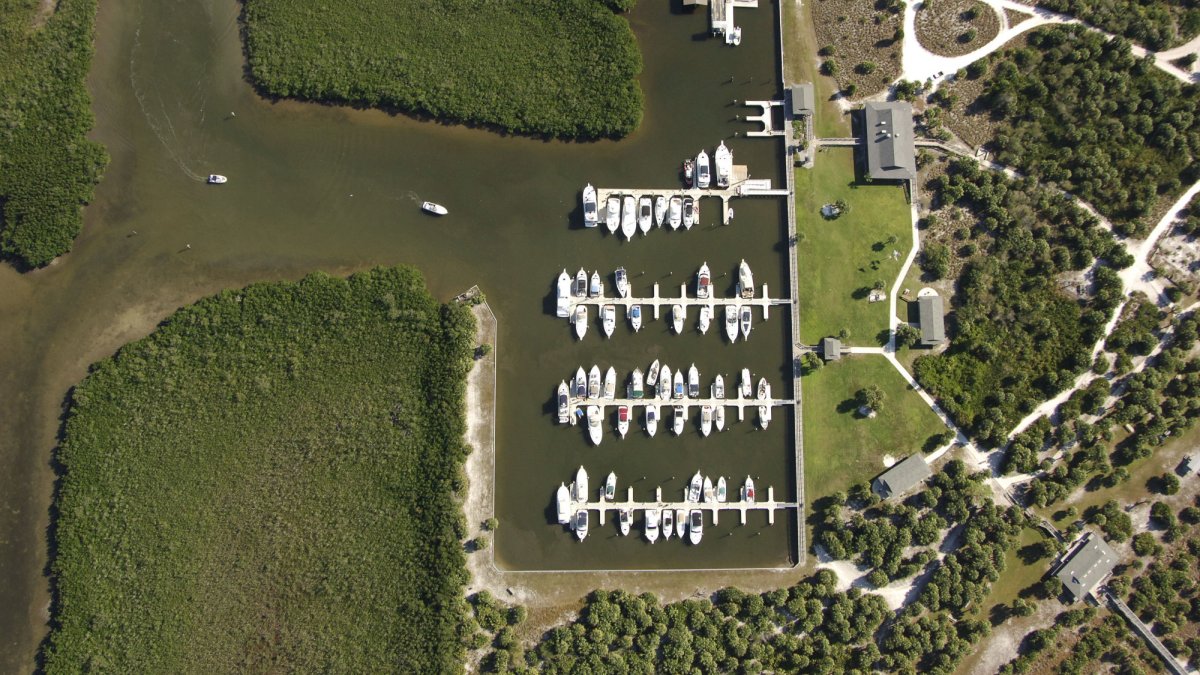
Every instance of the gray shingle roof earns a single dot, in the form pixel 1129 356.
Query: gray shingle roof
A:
pixel 831 348
pixel 1087 566
pixel 889 140
pixel 803 99
pixel 933 321
pixel 902 477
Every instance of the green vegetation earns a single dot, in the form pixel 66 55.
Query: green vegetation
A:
pixel 840 448
pixel 1154 24
pixel 564 68
pixel 267 482
pixel 48 167
pixel 843 258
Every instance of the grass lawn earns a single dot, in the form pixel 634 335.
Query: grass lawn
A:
pixel 800 41
pixel 838 259
pixel 841 449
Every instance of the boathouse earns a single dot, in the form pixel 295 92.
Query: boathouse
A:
pixel 1086 566
pixel 902 477
pixel 888 138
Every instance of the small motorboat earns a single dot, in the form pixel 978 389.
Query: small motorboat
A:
pixel 624 521
pixel 764 405
pixel 660 210
pixel 652 525
pixel 748 490
pixel 610 383
pixel 721 490
pixel 612 214
pixel 677 314
pixel 635 384
pixel 680 420
pixel 668 523
pixel 719 417
pixel 704 282
pixel 218 179
pixel 581 524
pixel 689 212
pixel 623 420
pixel 594 383
pixel 595 289
pixel 705 318
pixel 679 391
pixel 709 496
pixel 706 420
pixel 429 207
pixel 718 388
pixel 628 216
pixel 590 216
pixel 675 217
pixel 735 36
pixel 680 523
pixel 564 412
pixel 693 382
pixel 645 214
pixel 651 420
pixel 563 500
pixel 746 321
pixel 664 383
pixel 610 486
pixel 595 432
pixel 581 321
pixel 622 282
pixel 635 317
pixel 581 485
pixel 703 175
pixel 580 383
pixel 581 283
pixel 747 388
pixel 723 159
pixel 608 319
pixel 652 374
pixel 563 295
pixel 696 527
pixel 745 286
pixel 689 172
pixel 695 488
pixel 731 322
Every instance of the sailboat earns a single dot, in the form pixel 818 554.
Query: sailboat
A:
pixel 590 217
pixel 652 419
pixel 608 319
pixel 705 318
pixel 696 527
pixel 723 158
pixel 745 281
pixel 564 413
pixel 677 314
pixel 680 420
pixel 703 175
pixel 652 525
pixel 695 488
pixel 623 420
pixel 693 382
pixel 645 214
pixel 610 383
pixel 622 282
pixel 624 520
pixel 594 382
pixel 581 321
pixel 581 524
pixel 721 490
pixel 706 420
pixel 668 523
pixel 747 319
pixel 660 210
pixel 764 403
pixel 635 384
pixel 628 217
pixel 704 282
pixel 675 219
pixel 562 499
pixel 610 486
pixel 635 317
pixel 612 214
pixel 563 295
pixel 595 433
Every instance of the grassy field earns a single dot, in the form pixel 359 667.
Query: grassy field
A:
pixel 800 47
pixel 841 449
pixel 266 483
pixel 840 260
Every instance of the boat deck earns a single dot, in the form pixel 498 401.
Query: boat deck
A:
pixel 603 506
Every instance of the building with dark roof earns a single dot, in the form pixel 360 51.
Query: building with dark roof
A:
pixel 831 348
pixel 803 99
pixel 933 321
pixel 888 137
pixel 1086 567
pixel 902 477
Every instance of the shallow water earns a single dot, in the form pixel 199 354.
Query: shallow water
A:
pixel 322 187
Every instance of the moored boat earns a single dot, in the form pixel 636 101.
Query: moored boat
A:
pixel 595 432
pixel 746 321
pixel 675 217
pixel 748 490
pixel 677 314
pixel 721 490
pixel 719 417
pixel 664 383
pixel 564 412
pixel 723 159
pixel 645 214
pixel 745 281
pixel 581 485
pixel 679 391
pixel 708 491
pixel 628 216
pixel 693 382
pixel 562 499
pixel 635 317
pixel 612 214
pixel 608 319
pixel 695 488
pixel 652 419
pixel 595 288
pixel 594 382
pixel 427 207
pixel 706 420
pixel 689 172
pixel 581 283
pixel 718 387
pixel 703 171
pixel 668 523
pixel 622 282
pixel 624 520
pixel 610 486
pixel 652 525
pixel 580 383
pixel 680 420
pixel 689 212
pixel 581 321
pixel 581 524
pixel 652 374
pixel 764 405
pixel 623 420
pixel 636 389
pixel 590 217
pixel 747 388
pixel 218 179
pixel 705 318
pixel 660 210
pixel 610 383
pixel 563 307
pixel 704 282
pixel 696 526
pixel 731 322
pixel 680 523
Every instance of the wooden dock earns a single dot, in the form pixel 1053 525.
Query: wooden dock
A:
pixel 603 506
pixel 740 185
pixel 657 301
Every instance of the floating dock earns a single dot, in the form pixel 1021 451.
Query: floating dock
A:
pixel 720 15
pixel 740 185
pixel 657 301
pixel 603 506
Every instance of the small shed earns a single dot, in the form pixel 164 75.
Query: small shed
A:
pixel 803 99
pixel 831 349
pixel 902 477
pixel 933 321
pixel 1086 566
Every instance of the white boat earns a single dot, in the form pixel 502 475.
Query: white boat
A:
pixel 610 383
pixel 693 382
pixel 723 159
pixel 696 488
pixel 731 322
pixel 719 417
pixel 622 282
pixel 580 383
pixel 581 485
pixel 705 318
pixel 218 179
pixel 668 523
pixel 595 432
pixel 718 388
pixel 703 171
pixel 581 284
pixel 628 217
pixel 764 406
pixel 652 374
pixel 745 281
pixel 594 383
pixel 581 524
pixel 608 319
pixel 652 525
pixel 652 419
pixel 748 490
pixel 679 391
pixel 680 523
pixel 645 214
pixel 675 217
pixel 721 490
pixel 612 214
pixel 689 172
pixel 635 317
pixel 689 212
pixel 677 314
pixel 735 36
pixel 610 486
pixel 581 321
pixel 664 383
pixel 704 283
pixel 636 389
pixel 590 217
pixel 747 320
pixel 564 295
pixel 623 420
pixel 624 520
pixel 680 420
pixel 564 412
pixel 709 497
pixel 563 499
pixel 595 289
pixel 428 207
pixel 747 388
pixel 706 420
pixel 696 527
pixel 660 210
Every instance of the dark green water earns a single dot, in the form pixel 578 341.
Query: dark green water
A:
pixel 317 187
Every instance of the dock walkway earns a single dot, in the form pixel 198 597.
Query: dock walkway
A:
pixel 740 185
pixel 657 301
pixel 603 506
